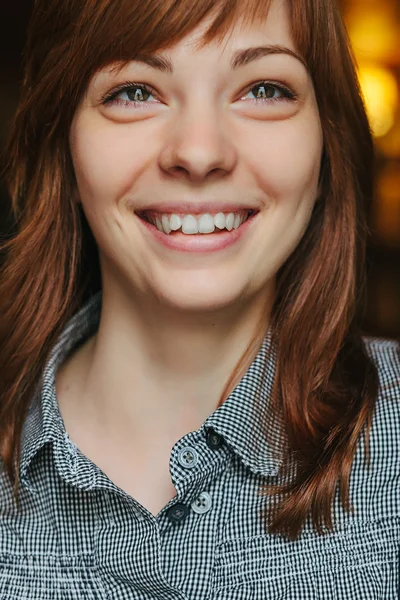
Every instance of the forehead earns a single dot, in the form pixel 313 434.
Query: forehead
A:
pixel 243 42
pixel 271 28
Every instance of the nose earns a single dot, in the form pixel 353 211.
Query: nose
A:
pixel 198 147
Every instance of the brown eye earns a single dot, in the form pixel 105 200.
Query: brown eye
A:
pixel 269 92
pixel 263 90
pixel 137 94
pixel 133 94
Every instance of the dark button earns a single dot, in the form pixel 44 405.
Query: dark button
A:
pixel 178 512
pixel 214 440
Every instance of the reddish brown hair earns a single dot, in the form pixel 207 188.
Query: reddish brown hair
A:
pixel 326 385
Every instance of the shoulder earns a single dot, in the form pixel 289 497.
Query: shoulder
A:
pixel 385 431
pixel 375 483
pixel 385 354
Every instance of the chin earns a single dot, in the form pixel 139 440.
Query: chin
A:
pixel 197 298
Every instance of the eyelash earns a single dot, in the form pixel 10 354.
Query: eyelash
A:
pixel 112 97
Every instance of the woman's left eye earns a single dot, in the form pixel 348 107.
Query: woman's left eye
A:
pixel 267 91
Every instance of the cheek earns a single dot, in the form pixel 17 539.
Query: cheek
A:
pixel 105 160
pixel 287 171
pixel 287 167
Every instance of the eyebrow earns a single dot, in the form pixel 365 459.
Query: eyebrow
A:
pixel 239 59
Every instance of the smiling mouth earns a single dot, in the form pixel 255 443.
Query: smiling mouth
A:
pixel 190 224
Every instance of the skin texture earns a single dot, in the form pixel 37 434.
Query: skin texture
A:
pixel 174 324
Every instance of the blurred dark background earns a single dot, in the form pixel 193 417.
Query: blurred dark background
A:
pixel 374 27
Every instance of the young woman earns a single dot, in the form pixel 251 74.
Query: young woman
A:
pixel 188 409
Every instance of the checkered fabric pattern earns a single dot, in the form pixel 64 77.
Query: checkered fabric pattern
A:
pixel 77 536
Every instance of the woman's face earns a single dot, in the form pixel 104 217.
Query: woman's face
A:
pixel 200 131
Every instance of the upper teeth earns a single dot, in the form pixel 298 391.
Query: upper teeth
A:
pixel 205 223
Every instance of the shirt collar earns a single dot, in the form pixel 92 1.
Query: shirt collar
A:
pixel 244 420
pixel 44 422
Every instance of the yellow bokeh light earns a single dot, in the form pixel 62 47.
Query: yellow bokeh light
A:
pixel 379 88
pixel 373 32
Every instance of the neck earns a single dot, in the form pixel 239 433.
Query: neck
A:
pixel 150 368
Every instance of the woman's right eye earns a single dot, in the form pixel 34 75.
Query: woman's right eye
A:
pixel 128 94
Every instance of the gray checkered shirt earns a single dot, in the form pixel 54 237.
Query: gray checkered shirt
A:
pixel 77 536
